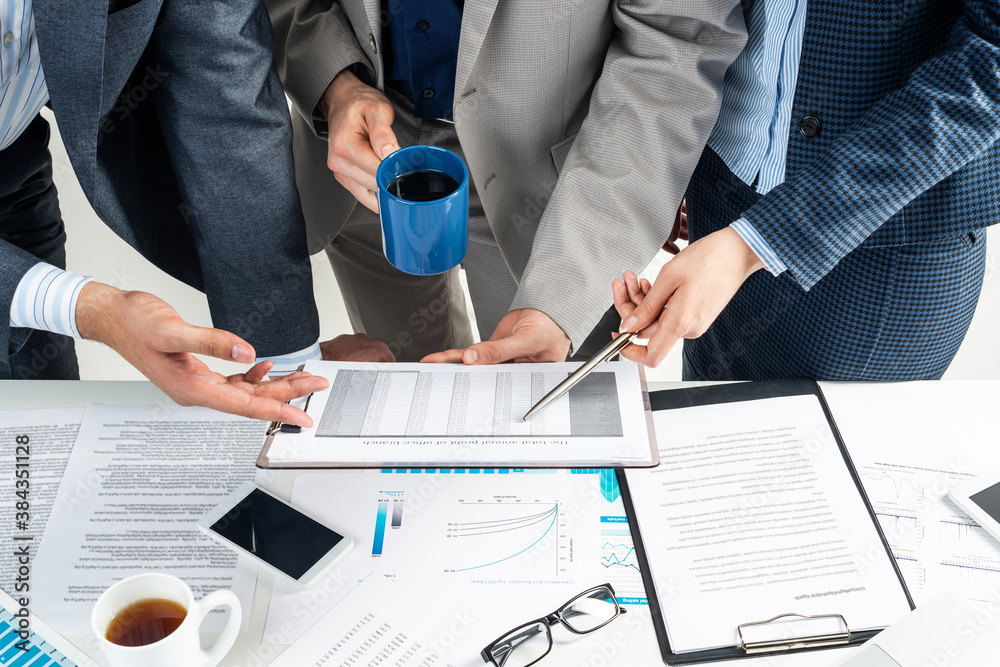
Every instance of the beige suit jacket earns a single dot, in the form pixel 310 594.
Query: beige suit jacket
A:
pixel 581 121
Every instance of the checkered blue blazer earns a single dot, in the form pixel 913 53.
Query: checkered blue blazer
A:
pixel 892 174
pixel 894 131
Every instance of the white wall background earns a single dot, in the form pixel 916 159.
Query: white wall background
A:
pixel 94 250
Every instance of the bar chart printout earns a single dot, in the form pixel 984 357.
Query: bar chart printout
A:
pixel 453 414
pixel 34 651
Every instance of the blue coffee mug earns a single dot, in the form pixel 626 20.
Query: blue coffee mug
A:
pixel 428 237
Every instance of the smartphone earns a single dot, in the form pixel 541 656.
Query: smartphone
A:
pixel 275 534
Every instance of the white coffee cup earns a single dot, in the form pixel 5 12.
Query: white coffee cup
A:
pixel 183 645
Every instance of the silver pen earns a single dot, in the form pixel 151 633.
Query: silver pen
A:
pixel 608 351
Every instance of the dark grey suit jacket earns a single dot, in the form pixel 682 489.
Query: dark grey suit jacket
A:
pixel 178 130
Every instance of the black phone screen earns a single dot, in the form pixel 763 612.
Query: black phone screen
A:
pixel 276 533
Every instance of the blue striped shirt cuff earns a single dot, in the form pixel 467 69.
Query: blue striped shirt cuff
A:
pixel 289 363
pixel 759 246
pixel 46 299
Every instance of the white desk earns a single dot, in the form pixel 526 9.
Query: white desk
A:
pixel 891 415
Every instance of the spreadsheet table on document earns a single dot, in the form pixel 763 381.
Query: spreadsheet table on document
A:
pixel 370 402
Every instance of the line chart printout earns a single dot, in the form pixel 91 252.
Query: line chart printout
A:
pixel 418 414
pixel 935 543
pixel 493 547
pixel 912 443
pixel 621 565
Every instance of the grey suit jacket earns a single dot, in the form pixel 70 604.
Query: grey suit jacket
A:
pixel 581 121
pixel 177 128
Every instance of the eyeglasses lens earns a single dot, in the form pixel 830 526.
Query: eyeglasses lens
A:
pixel 523 646
pixel 590 611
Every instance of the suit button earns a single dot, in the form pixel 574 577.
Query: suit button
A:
pixel 809 127
pixel 423 26
pixel 371 40
pixel 8 39
pixel 428 93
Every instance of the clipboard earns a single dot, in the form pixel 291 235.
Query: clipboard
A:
pixel 843 636
pixel 276 430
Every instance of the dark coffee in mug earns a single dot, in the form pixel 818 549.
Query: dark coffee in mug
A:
pixel 426 185
pixel 145 622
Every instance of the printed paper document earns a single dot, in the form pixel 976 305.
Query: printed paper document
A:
pixel 492 548
pixel 136 483
pixel 373 626
pixel 402 414
pixel 753 513
pixel 909 463
pixel 49 436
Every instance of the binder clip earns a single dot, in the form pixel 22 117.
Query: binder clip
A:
pixel 794 643
pixel 277 427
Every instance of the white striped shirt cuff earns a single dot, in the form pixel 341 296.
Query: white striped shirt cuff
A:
pixel 759 246
pixel 289 363
pixel 46 299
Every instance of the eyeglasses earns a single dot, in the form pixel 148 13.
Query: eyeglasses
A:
pixel 527 644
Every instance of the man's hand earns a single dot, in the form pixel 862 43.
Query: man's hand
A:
pixel 151 336
pixel 356 347
pixel 360 120
pixel 688 294
pixel 522 335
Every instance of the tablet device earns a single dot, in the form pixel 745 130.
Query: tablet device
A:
pixel 980 499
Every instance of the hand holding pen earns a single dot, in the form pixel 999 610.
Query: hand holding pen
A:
pixel 688 294
pixel 619 342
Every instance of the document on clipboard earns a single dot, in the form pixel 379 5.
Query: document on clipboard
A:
pixel 754 533
pixel 410 415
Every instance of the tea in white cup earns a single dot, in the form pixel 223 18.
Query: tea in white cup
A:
pixel 153 620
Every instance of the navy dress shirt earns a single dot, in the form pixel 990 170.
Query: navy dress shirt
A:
pixel 420 52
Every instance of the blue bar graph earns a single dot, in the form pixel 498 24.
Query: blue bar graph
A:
pixel 383 510
pixel 9 634
pixel 7 657
pixel 25 657
pixel 39 653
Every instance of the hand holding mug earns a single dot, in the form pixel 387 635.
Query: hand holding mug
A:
pixel 423 197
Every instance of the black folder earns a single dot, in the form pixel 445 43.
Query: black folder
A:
pixel 732 393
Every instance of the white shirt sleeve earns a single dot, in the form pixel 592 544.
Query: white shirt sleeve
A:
pixel 289 363
pixel 46 299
